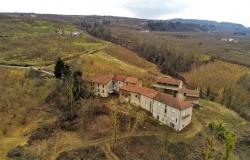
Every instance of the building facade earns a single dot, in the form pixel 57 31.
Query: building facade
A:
pixel 174 109
pixel 171 111
pixel 189 95
pixel 100 85
pixel 167 109
pixel 129 94
pixel 118 82
pixel 168 85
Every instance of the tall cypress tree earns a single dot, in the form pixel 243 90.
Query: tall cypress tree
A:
pixel 58 71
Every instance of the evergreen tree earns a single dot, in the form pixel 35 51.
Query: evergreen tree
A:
pixel 208 92
pixel 59 68
pixel 66 72
pixel 78 90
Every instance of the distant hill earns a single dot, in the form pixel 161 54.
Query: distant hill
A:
pixel 172 25
pixel 215 26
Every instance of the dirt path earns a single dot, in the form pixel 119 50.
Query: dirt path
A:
pixel 39 67
pixel 108 152
pixel 72 145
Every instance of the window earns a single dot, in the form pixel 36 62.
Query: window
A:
pixel 184 113
pixel 103 86
pixel 176 120
pixel 102 91
pixel 165 110
pixel 98 90
pixel 162 119
pixel 158 117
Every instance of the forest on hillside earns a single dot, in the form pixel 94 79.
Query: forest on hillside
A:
pixel 166 56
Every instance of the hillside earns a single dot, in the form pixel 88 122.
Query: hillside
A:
pixel 35 42
pixel 27 90
pixel 18 128
pixel 37 122
pixel 224 82
pixel 214 26
pixel 225 45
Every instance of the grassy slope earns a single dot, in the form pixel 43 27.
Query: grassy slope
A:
pixel 213 111
pixel 117 60
pixel 20 98
pixel 26 95
pixel 34 41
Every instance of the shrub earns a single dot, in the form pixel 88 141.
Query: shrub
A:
pixel 218 129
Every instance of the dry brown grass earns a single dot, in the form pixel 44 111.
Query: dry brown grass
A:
pixel 21 98
pixel 215 75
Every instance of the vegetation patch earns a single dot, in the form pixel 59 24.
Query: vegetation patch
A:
pixel 38 42
pixel 91 153
pixel 223 82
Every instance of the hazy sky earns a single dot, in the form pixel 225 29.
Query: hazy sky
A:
pixel 221 10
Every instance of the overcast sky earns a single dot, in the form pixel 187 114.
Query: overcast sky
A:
pixel 220 10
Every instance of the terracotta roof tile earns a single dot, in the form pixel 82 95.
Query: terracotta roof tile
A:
pixel 194 93
pixel 168 80
pixel 99 79
pixel 172 101
pixel 148 92
pixel 132 80
pixel 119 78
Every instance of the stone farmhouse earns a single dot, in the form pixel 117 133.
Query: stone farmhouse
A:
pixel 176 88
pixel 172 111
pixel 169 102
pixel 120 80
pixel 99 85
pixel 166 108
pixel 138 96
pixel 168 85
pixel 104 85
pixel 189 95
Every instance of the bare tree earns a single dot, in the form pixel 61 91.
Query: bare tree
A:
pixel 115 125
pixel 207 153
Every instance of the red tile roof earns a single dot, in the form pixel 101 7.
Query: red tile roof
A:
pixel 148 92
pixel 132 80
pixel 119 78
pixel 193 93
pixel 172 101
pixel 99 79
pixel 168 80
